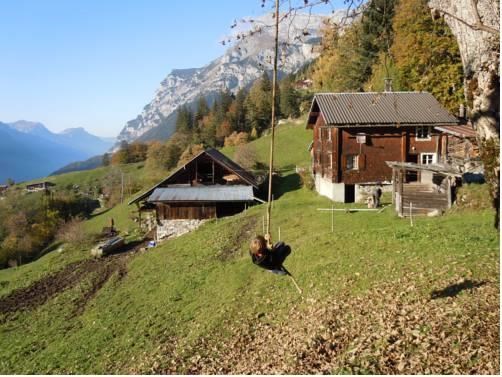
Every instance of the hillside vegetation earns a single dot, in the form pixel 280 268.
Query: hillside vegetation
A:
pixel 379 296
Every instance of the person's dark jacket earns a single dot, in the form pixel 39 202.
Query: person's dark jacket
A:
pixel 272 259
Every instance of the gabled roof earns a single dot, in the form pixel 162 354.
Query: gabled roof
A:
pixel 218 157
pixel 381 109
pixel 216 193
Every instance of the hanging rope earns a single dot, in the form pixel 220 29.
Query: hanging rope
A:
pixel 268 236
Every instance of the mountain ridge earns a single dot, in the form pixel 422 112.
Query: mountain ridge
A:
pixel 241 64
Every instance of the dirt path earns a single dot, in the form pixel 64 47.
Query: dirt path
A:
pixel 98 270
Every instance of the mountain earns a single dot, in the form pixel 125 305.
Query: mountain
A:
pixel 241 64
pixel 89 164
pixel 29 150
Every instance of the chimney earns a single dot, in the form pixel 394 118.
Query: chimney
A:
pixel 461 111
pixel 387 85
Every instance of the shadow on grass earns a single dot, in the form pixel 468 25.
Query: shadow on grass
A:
pixel 284 184
pixel 99 213
pixel 455 289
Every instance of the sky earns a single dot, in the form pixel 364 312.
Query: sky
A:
pixel 97 63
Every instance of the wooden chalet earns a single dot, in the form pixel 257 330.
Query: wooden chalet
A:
pixel 210 185
pixel 354 134
pixel 40 186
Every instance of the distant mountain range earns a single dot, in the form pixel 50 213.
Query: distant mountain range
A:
pixel 243 62
pixel 28 150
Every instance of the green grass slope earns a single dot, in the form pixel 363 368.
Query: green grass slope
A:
pixel 175 307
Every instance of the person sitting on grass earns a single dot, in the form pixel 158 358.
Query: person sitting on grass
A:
pixel 269 259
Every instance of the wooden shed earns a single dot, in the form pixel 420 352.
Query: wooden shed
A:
pixel 431 194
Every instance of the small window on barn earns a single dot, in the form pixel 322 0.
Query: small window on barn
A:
pixel 330 156
pixel 423 133
pixel 329 134
pixel 352 162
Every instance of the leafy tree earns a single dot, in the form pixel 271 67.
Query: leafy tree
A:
pixel 426 54
pixel 289 99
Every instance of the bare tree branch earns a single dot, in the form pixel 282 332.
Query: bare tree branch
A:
pixel 478 25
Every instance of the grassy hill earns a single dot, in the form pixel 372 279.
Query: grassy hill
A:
pixel 379 296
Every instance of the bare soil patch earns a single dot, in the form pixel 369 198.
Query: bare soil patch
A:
pixel 98 270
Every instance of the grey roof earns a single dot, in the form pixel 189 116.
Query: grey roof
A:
pixel 216 193
pixel 382 108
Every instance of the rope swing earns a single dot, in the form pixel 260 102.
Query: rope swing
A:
pixel 263 252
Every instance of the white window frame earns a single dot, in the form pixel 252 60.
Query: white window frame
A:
pixel 329 134
pixel 433 155
pixel 417 132
pixel 330 156
pixel 355 163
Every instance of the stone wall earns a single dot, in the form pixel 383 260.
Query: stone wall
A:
pixel 175 228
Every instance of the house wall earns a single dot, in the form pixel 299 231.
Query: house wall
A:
pixel 332 146
pixel 191 211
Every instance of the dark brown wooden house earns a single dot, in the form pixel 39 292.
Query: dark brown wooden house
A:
pixel 354 134
pixel 210 185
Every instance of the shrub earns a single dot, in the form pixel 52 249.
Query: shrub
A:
pixel 306 179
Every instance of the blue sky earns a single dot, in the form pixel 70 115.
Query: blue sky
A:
pixel 96 63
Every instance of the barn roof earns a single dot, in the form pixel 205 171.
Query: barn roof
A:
pixel 381 109
pixel 219 158
pixel 216 193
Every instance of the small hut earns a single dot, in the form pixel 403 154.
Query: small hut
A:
pixel 432 193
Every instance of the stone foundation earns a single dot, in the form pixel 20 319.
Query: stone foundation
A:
pixel 363 191
pixel 175 228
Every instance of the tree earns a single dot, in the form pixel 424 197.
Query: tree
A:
pixel 289 99
pixel 190 152
pixel 245 156
pixel 202 110
pixel 476 26
pixel 426 54
pixel 106 160
pixel 184 119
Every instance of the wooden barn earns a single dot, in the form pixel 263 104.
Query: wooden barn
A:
pixel 209 186
pixel 354 134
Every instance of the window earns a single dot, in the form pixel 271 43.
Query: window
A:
pixel 423 133
pixel 427 158
pixel 352 162
pixel 329 134
pixel 330 156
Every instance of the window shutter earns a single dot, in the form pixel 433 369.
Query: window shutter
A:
pixel 362 161
pixel 344 162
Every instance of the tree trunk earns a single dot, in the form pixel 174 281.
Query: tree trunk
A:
pixel 475 24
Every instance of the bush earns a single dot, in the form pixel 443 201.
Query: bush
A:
pixel 246 156
pixel 73 232
pixel 306 179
